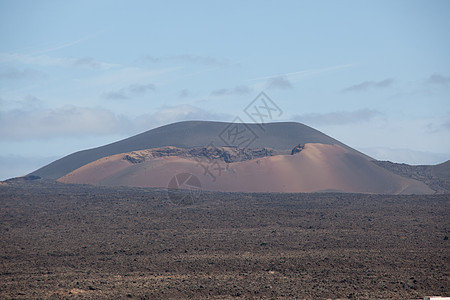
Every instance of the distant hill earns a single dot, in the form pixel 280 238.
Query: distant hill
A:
pixel 314 167
pixel 282 136
pixel 236 157
pixel 436 177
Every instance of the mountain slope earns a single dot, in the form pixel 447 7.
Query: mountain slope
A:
pixel 281 136
pixel 315 168
pixel 436 177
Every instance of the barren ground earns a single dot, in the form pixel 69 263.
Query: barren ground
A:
pixel 66 241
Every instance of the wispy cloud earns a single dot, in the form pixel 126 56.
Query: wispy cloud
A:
pixel 182 112
pixel 141 88
pixel 446 125
pixel 187 58
pixel 67 44
pixel 45 60
pixel 48 123
pixel 184 93
pixel 280 82
pixel 88 62
pixel 131 90
pixel 438 124
pixel 363 86
pixel 75 121
pixel 124 76
pixel 26 103
pixel 338 117
pixel 303 73
pixel 406 155
pixel 17 74
pixel 117 95
pixel 438 79
pixel 238 90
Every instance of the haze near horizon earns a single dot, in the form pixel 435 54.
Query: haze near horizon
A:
pixel 374 75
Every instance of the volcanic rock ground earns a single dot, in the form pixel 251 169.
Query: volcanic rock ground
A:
pixel 75 241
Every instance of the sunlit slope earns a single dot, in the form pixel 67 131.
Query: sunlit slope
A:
pixel 318 167
pixel 283 136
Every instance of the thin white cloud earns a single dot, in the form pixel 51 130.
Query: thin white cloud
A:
pixel 407 156
pixel 184 93
pixel 65 121
pixel 188 58
pixel 363 86
pixel 120 77
pixel 67 44
pixel 392 131
pixel 26 103
pixel 88 62
pixel 45 60
pixel 238 90
pixel 141 88
pixel 338 117
pixel 439 124
pixel 73 121
pixel 280 82
pixel 115 95
pixel 438 79
pixel 446 124
pixel 304 73
pixel 130 91
pixel 17 74
pixel 170 114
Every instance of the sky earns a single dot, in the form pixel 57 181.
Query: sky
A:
pixel 80 74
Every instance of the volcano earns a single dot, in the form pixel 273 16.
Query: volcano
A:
pixel 233 157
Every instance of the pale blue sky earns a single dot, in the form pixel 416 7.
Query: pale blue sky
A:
pixel 79 74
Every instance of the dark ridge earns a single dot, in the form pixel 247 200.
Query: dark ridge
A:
pixel 23 178
pixel 297 149
pixel 437 177
pixel 227 154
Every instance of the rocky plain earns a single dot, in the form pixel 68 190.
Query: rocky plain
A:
pixel 62 241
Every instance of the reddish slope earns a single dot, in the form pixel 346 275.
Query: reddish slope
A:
pixel 318 167
pixel 188 134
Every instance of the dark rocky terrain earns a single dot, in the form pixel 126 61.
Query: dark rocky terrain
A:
pixel 225 154
pixel 437 177
pixel 75 241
